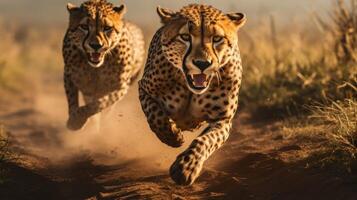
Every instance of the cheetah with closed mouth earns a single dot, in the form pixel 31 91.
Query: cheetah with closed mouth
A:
pixel 192 75
pixel 102 54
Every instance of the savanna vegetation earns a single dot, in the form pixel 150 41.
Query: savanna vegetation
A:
pixel 6 155
pixel 26 52
pixel 306 75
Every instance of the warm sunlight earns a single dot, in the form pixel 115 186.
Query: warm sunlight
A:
pixel 132 99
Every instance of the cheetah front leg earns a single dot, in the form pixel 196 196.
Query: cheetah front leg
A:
pixel 81 114
pixel 102 103
pixel 188 164
pixel 75 120
pixel 159 122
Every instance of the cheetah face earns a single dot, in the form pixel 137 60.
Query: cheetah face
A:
pixel 199 43
pixel 95 29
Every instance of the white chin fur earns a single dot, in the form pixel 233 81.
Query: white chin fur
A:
pixel 197 91
pixel 95 65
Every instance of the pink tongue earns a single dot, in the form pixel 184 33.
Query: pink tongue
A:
pixel 199 80
pixel 95 56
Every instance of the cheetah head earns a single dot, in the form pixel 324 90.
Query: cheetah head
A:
pixel 94 28
pixel 199 40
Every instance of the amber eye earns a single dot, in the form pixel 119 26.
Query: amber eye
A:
pixel 217 39
pixel 108 28
pixel 185 37
pixel 84 27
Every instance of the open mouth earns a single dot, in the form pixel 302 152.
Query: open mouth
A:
pixel 198 81
pixel 95 58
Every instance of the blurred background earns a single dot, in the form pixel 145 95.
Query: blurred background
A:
pixel 42 11
pixel 32 31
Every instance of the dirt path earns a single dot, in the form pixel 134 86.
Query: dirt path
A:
pixel 130 163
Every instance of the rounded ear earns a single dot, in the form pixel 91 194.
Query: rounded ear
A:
pixel 72 7
pixel 238 19
pixel 121 10
pixel 165 14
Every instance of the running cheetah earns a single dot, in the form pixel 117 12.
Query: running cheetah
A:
pixel 102 54
pixel 192 75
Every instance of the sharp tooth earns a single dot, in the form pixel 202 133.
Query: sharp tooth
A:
pixel 191 76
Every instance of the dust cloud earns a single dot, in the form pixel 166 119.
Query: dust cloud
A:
pixel 124 134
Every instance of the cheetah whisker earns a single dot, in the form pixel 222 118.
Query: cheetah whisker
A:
pixel 110 53
pixel 219 78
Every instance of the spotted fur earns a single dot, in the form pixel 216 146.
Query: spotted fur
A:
pixel 197 40
pixel 102 54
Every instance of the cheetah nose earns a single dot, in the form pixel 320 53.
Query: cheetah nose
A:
pixel 95 46
pixel 202 64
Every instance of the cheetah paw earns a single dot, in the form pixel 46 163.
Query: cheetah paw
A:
pixel 173 137
pixel 185 169
pixel 174 141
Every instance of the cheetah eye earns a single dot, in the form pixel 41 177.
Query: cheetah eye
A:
pixel 217 39
pixel 84 27
pixel 185 37
pixel 108 28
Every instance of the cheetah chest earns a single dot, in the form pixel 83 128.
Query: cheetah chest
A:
pixel 97 82
pixel 183 108
pixel 189 110
pixel 188 116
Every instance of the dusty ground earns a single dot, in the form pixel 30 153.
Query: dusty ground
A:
pixel 126 161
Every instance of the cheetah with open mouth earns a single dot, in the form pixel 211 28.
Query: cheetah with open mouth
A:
pixel 192 75
pixel 102 54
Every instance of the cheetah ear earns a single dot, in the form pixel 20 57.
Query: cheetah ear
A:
pixel 121 10
pixel 238 19
pixel 71 7
pixel 165 14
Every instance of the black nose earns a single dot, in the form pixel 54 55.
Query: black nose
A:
pixel 95 46
pixel 202 64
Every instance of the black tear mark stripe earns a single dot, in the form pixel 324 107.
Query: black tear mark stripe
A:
pixel 215 52
pixel 185 69
pixel 85 38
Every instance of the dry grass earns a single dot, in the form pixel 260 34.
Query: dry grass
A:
pixel 345 30
pixel 5 152
pixel 25 52
pixel 327 137
pixel 6 155
pixel 290 70
pixel 302 64
pixel 341 121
